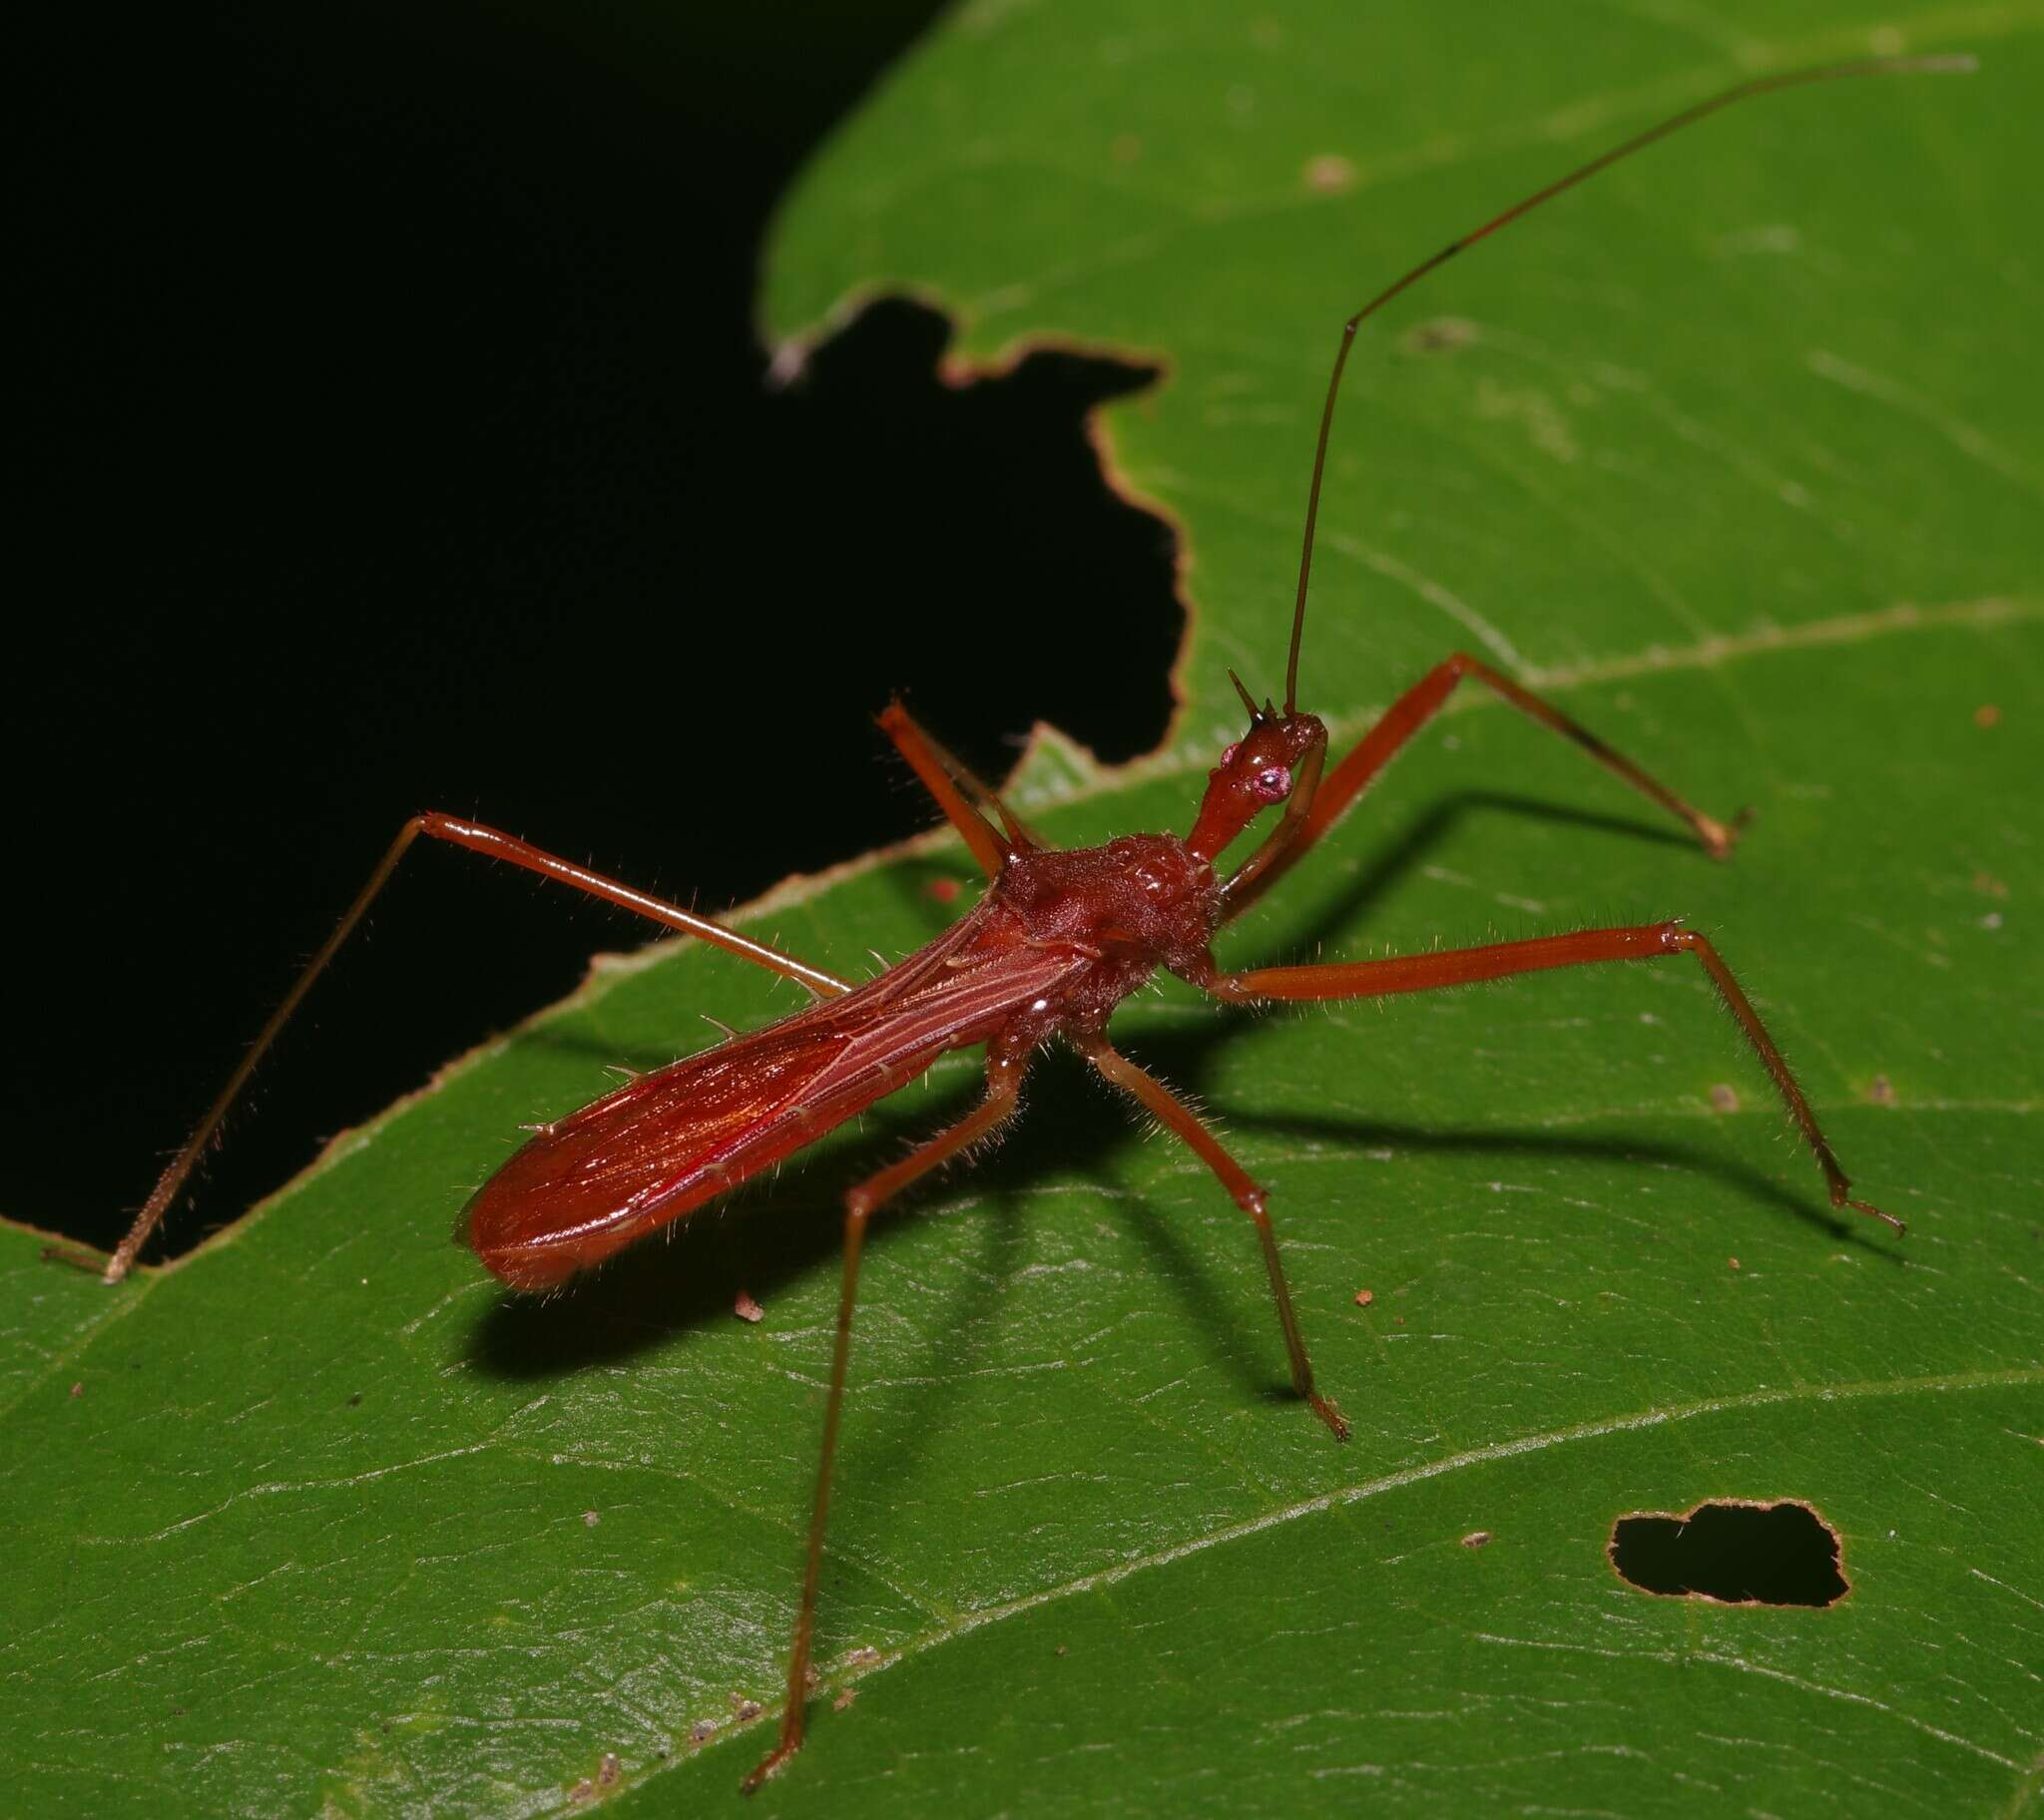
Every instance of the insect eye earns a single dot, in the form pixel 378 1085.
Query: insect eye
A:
pixel 1272 783
pixel 1227 758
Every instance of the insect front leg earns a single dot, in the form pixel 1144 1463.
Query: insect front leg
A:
pixel 1359 766
pixel 1003 1087
pixel 1170 1110
pixel 1502 960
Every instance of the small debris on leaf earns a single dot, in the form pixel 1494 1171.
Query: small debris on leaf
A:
pixel 1441 335
pixel 1329 175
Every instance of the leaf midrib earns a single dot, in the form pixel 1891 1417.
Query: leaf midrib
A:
pixel 1341 1495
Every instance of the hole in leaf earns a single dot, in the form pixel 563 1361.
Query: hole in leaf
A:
pixel 999 577
pixel 1735 1553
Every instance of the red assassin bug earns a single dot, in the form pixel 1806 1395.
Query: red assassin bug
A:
pixel 1058 941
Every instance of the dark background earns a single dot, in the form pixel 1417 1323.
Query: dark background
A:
pixel 393 436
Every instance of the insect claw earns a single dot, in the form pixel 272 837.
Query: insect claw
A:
pixel 790 364
pixel 1873 1213
pixel 769 1768
pixel 1720 837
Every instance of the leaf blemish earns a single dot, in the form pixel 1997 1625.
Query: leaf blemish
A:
pixel 1329 175
pixel 1442 335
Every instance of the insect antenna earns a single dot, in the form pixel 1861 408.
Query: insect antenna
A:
pixel 1759 84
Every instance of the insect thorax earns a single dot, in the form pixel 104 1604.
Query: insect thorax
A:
pixel 1140 900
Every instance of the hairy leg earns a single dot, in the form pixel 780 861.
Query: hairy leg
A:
pixel 477 840
pixel 1502 960
pixel 1003 1085
pixel 957 790
pixel 1358 768
pixel 1170 1110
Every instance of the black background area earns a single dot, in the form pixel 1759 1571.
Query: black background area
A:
pixel 392 435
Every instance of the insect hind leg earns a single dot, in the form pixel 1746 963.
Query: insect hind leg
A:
pixel 862 1202
pixel 476 838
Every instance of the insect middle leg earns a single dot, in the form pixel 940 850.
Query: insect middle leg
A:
pixel 1172 1112
pixel 1003 1086
pixel 1405 717
pixel 477 838
pixel 1501 959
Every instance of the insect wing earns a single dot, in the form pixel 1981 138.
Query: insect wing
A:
pixel 589 1185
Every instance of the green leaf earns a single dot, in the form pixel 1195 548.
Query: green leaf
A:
pixel 1737 455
